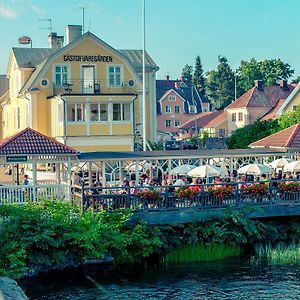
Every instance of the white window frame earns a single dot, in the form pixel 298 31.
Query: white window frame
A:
pixel 172 98
pixel 192 109
pixel 177 112
pixel 166 110
pixel 99 114
pixel 122 105
pixel 177 123
pixel 240 117
pixel 121 75
pixel 233 117
pixel 68 73
pixel 76 116
pixel 169 122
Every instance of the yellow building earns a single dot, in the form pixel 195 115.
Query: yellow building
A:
pixel 86 94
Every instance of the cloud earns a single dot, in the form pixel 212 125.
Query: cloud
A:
pixel 119 21
pixel 7 12
pixel 37 9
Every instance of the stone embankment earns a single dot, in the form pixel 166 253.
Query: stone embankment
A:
pixel 9 290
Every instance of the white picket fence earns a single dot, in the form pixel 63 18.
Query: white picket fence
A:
pixel 19 194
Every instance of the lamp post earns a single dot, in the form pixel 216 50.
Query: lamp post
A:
pixel 144 78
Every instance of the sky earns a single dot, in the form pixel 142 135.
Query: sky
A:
pixel 176 31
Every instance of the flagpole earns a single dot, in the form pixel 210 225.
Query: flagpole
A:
pixel 144 78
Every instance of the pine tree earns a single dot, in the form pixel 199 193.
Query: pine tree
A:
pixel 220 84
pixel 198 77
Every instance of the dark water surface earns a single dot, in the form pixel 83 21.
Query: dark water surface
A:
pixel 221 280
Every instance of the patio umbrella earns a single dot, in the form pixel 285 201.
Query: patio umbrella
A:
pixel 205 171
pixel 280 162
pixel 293 166
pixel 85 167
pixel 182 170
pixel 255 169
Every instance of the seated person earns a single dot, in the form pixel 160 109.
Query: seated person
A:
pixel 194 185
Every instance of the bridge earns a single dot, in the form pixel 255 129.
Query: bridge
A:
pixel 173 205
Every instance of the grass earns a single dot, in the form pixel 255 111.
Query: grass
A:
pixel 280 254
pixel 195 253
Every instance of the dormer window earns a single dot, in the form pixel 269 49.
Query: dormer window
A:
pixel 172 98
pixel 193 109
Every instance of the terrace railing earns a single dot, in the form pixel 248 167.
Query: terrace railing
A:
pixel 171 198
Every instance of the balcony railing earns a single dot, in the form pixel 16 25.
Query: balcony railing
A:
pixel 83 87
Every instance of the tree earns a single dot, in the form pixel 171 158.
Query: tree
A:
pixel 187 72
pixel 198 77
pixel 268 70
pixel 296 80
pixel 220 84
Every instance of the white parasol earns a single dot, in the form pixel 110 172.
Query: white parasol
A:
pixel 182 170
pixel 205 171
pixel 280 162
pixel 255 169
pixel 293 166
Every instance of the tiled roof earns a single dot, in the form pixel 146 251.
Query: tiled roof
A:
pixel 3 84
pixel 271 114
pixel 268 97
pixel 206 120
pixel 31 142
pixel 287 138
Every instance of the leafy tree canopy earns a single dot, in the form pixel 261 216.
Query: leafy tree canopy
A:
pixel 187 72
pixel 268 70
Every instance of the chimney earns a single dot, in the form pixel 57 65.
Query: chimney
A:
pixel 55 41
pixel 284 85
pixel 73 32
pixel 177 85
pixel 167 77
pixel 259 85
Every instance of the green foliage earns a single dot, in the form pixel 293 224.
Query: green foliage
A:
pixel 296 80
pixel 198 77
pixel 220 84
pixel 199 252
pixel 268 70
pixel 251 133
pixel 156 146
pixel 187 72
pixel 49 234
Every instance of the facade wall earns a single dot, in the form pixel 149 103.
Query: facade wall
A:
pixel 292 106
pixel 172 116
pixel 50 114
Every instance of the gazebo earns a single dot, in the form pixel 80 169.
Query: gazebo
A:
pixel 30 147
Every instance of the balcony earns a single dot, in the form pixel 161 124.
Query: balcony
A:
pixel 88 87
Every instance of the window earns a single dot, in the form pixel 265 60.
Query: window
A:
pixel 295 107
pixel 76 112
pixel 121 112
pixel 221 132
pixel 233 117
pixel 167 109
pixel 177 123
pixel 193 109
pixel 177 109
pixel 99 112
pixel 172 98
pixel 168 123
pixel 114 75
pixel 61 75
pixel 240 116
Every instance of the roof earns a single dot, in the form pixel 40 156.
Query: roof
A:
pixel 271 114
pixel 4 84
pixel 268 97
pixel 154 155
pixel 135 58
pixel 185 90
pixel 31 142
pixel 286 138
pixel 289 99
pixel 206 120
pixel 31 57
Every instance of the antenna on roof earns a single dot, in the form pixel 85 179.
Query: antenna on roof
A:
pixel 82 8
pixel 49 24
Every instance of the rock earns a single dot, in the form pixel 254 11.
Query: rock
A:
pixel 9 290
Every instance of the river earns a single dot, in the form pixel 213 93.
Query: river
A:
pixel 218 280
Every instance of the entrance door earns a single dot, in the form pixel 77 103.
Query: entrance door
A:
pixel 88 79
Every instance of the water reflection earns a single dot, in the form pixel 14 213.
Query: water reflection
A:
pixel 225 280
